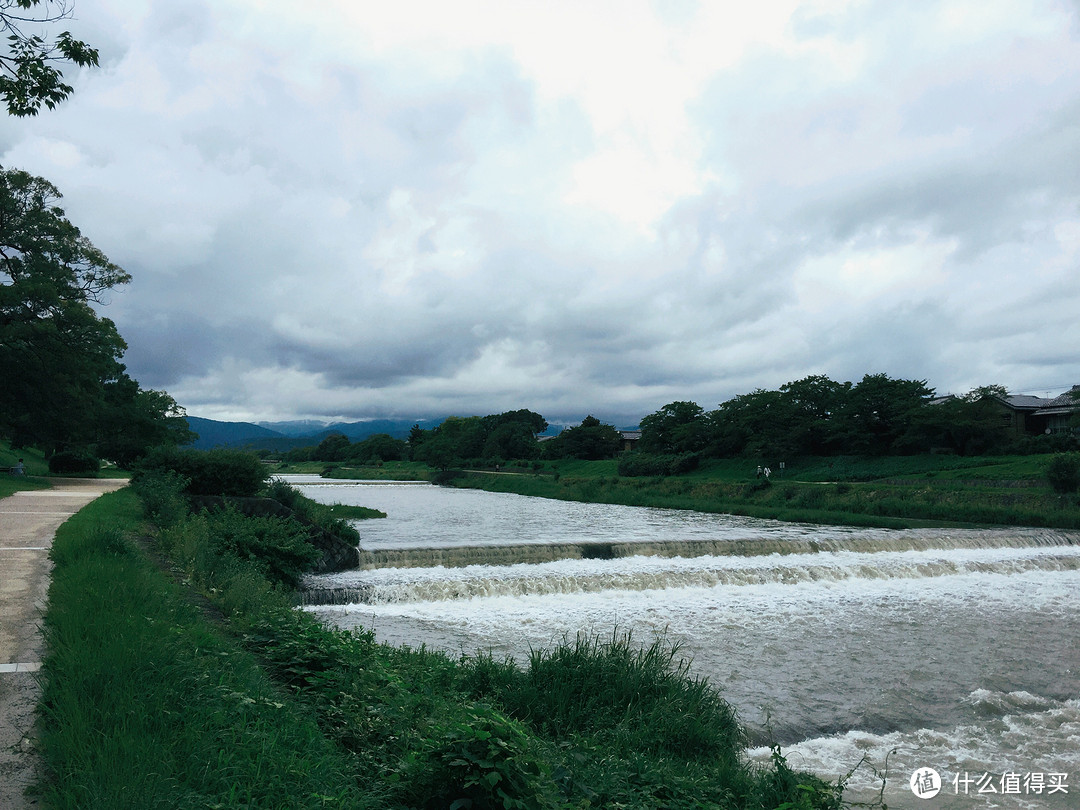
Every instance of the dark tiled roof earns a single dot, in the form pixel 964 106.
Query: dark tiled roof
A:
pixel 1070 398
pixel 1022 401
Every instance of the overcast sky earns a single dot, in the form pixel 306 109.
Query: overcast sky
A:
pixel 352 209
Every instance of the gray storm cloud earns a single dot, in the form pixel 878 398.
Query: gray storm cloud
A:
pixel 405 212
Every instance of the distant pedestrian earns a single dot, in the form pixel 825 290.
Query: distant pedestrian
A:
pixel 18 469
pixel 759 471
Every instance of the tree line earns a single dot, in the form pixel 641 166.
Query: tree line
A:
pixel 814 416
pixel 817 416
pixel 512 436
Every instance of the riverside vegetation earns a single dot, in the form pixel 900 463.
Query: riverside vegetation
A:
pixel 880 452
pixel 890 492
pixel 208 688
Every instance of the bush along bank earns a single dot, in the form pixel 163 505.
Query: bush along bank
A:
pixel 589 724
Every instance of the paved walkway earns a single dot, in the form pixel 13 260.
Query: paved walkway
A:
pixel 28 522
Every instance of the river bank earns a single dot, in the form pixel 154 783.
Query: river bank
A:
pixel 899 492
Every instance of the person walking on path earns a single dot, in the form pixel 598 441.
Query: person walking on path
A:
pixel 28 521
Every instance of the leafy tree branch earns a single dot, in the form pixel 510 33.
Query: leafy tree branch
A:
pixel 29 71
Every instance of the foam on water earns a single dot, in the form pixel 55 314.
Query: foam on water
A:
pixel 641 573
pixel 1015 732
pixel 818 657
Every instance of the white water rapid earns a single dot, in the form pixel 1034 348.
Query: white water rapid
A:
pixel 952 650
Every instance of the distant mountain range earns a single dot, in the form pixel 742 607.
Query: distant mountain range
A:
pixel 282 436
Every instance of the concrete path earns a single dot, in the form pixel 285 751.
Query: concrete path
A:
pixel 28 522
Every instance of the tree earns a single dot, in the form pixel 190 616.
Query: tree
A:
pixel 135 420
pixel 512 434
pixel 334 447
pixel 29 72
pixel 46 263
pixel 511 440
pixel 378 447
pixel 57 356
pixel 984 391
pixel 878 411
pixel 452 442
pixel 590 440
pixel 752 424
pixel 678 427
pixel 812 404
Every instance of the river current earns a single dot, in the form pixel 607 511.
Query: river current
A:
pixel 957 650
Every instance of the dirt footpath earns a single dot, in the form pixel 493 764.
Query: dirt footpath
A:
pixel 28 521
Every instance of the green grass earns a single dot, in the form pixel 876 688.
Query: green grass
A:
pixel 147 704
pixel 33 461
pixel 10 484
pixel 386 471
pixel 902 492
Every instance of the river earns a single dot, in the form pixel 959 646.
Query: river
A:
pixel 955 650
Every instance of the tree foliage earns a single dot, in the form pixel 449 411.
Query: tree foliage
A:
pixel 499 437
pixel 680 427
pixel 817 416
pixel 30 72
pixel 208 472
pixel 591 440
pixel 63 382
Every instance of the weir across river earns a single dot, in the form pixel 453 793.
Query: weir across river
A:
pixel 952 649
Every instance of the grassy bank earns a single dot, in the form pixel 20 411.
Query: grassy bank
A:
pixel 36 470
pixel 386 471
pixel 35 466
pixel 148 704
pixel 890 493
pixel 151 701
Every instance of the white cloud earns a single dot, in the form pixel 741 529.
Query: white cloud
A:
pixel 422 208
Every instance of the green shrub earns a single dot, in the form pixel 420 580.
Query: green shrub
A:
pixel 647 464
pixel 74 462
pixel 445 477
pixel 146 705
pixel 481 760
pixel 213 472
pixel 215 546
pixel 279 547
pixel 758 485
pixel 316 513
pixel 162 496
pixel 1063 472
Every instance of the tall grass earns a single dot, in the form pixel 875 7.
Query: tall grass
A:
pixel 640 698
pixel 145 704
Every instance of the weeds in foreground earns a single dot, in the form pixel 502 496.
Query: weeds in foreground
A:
pixel 146 705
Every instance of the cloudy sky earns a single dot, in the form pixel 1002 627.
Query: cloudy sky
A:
pixel 353 209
